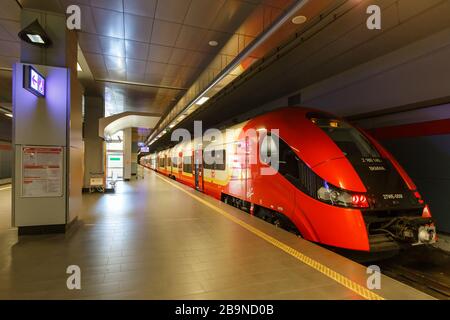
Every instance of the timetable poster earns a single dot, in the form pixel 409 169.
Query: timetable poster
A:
pixel 42 171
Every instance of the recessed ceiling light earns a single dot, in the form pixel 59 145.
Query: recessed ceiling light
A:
pixel 213 43
pixel 79 67
pixel 9 115
pixel 202 100
pixel 299 19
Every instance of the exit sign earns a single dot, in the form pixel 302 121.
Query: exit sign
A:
pixel 33 81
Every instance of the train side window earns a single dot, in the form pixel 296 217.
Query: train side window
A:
pixel 169 161
pixel 187 164
pixel 220 160
pixel 208 155
pixel 288 161
pixel 267 146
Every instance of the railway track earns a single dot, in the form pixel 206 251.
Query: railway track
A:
pixel 426 268
pixel 420 281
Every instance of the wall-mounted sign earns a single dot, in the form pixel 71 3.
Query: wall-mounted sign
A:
pixel 145 149
pixel 33 81
pixel 42 171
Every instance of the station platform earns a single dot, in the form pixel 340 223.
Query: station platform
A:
pixel 158 239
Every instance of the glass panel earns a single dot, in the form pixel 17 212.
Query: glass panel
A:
pixel 347 138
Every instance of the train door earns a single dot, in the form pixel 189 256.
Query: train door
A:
pixel 169 164
pixel 198 169
pixel 248 191
pixel 166 167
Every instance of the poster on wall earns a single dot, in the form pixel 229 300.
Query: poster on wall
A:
pixel 42 171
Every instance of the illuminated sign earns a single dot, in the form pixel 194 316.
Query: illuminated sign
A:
pixel 33 81
pixel 145 149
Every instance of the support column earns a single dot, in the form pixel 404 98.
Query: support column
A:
pixel 127 154
pixel 47 131
pixel 93 144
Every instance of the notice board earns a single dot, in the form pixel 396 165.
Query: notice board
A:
pixel 42 171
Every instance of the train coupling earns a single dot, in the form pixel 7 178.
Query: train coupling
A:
pixel 415 231
pixel 426 235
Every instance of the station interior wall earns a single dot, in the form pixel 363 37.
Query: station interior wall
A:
pixel 427 161
pixel 5 149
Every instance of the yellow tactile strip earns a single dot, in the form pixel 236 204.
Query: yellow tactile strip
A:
pixel 339 278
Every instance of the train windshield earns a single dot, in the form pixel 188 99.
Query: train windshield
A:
pixel 347 138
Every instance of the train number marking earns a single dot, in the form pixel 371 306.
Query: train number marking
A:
pixel 377 168
pixel 392 196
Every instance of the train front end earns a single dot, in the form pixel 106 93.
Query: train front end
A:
pixel 392 210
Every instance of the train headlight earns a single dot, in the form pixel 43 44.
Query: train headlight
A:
pixel 338 197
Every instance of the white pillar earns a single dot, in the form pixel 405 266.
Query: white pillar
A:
pixel 127 136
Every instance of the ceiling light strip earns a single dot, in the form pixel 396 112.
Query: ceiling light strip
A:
pixel 140 84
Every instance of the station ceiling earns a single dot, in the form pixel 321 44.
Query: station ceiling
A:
pixel 145 54
pixel 160 46
pixel 332 44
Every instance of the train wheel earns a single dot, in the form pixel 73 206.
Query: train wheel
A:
pixel 277 223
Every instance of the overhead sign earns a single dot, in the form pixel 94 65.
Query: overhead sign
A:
pixel 145 149
pixel 33 81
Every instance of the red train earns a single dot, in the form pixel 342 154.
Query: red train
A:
pixel 335 185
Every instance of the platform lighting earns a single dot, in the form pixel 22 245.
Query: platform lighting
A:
pixel 79 67
pixel 202 100
pixel 299 20
pixel 35 38
pixel 35 35
pixel 9 115
pixel 172 125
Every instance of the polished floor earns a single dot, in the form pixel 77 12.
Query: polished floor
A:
pixel 5 206
pixel 156 239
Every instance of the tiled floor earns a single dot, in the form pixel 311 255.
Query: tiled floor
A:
pixel 5 206
pixel 153 241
